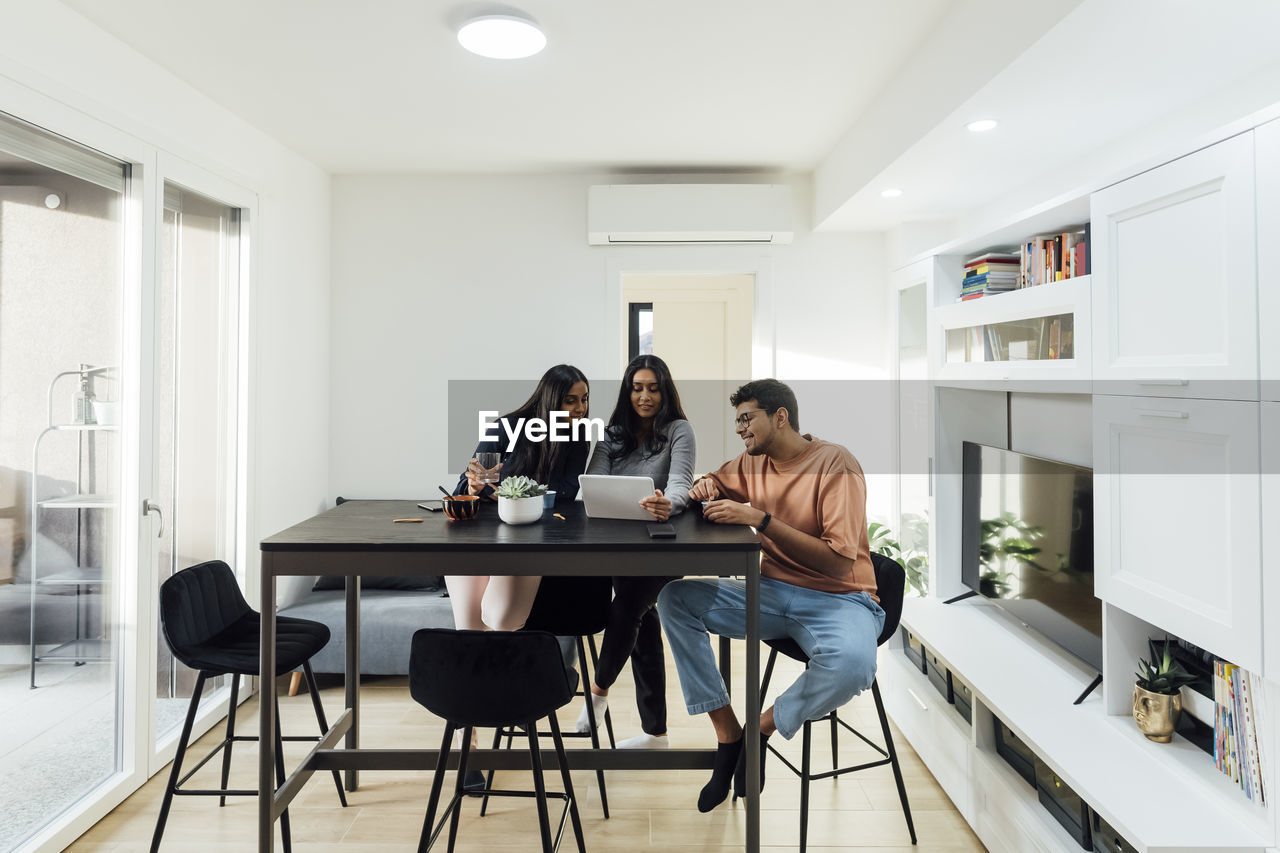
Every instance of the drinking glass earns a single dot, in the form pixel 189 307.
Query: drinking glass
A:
pixel 489 462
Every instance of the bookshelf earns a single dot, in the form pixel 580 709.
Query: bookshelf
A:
pixel 1035 333
pixel 1168 363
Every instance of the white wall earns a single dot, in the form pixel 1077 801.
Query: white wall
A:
pixel 490 277
pixel 61 72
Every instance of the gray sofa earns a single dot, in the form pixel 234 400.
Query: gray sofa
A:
pixel 388 618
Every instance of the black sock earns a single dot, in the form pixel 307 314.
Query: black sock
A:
pixel 714 792
pixel 740 772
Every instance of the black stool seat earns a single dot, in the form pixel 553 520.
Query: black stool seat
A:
pixel 235 649
pixel 492 678
pixel 487 678
pixel 209 626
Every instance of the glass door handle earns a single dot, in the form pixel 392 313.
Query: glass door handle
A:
pixel 147 508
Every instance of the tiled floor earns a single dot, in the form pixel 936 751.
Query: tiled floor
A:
pixel 649 811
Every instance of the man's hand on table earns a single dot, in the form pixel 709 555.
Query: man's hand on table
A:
pixel 732 512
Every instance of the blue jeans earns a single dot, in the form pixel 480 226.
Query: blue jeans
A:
pixel 837 631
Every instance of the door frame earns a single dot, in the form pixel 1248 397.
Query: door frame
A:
pixel 698 261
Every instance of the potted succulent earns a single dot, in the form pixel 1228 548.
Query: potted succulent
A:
pixel 1157 695
pixel 520 500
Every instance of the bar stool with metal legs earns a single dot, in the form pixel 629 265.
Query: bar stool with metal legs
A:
pixel 499 679
pixel 573 607
pixel 890 581
pixel 210 627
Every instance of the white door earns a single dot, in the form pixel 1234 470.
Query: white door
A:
pixel 1267 142
pixel 702 330
pixel 191 445
pixel 1177 519
pixel 1175 278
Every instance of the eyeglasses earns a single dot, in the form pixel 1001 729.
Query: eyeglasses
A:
pixel 745 418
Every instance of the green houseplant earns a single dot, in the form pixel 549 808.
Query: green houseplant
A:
pixel 520 500
pixel 913 555
pixel 1157 694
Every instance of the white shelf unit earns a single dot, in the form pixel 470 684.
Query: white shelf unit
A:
pixel 85 501
pixel 1069 297
pixel 1160 797
pixel 85 575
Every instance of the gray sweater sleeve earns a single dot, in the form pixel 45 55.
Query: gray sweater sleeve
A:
pixel 671 470
pixel 600 462
pixel 683 448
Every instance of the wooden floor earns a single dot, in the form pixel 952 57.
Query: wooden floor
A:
pixel 649 810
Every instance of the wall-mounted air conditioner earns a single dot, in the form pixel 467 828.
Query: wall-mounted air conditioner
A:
pixel 666 214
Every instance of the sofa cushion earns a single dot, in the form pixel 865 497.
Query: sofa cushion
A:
pixel 388 619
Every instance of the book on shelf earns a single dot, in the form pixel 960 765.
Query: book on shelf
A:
pixel 1047 258
pixel 992 259
pixel 1239 736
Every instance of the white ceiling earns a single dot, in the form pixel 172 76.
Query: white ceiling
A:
pixel 383 86
pixel 866 92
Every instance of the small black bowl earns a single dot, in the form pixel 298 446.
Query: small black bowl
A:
pixel 461 507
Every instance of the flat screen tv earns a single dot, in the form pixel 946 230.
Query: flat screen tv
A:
pixel 1027 544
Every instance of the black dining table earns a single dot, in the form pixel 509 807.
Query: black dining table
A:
pixel 363 538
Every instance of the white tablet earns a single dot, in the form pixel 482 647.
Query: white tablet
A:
pixel 611 496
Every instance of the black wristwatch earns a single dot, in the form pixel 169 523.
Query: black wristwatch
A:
pixel 768 517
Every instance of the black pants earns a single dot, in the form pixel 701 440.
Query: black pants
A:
pixel 634 631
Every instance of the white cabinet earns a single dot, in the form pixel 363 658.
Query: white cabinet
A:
pixel 930 724
pixel 1177 518
pixel 1267 140
pixel 1175 278
pixel 1270 531
pixel 1033 334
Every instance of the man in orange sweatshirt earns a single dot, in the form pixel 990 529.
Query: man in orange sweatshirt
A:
pixel 806 499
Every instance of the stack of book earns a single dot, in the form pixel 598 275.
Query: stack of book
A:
pixel 1238 719
pixel 1054 257
pixel 990 272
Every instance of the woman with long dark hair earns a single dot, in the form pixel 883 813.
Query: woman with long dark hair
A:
pixel 648 435
pixel 502 602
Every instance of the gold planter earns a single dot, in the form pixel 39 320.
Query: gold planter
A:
pixel 1156 713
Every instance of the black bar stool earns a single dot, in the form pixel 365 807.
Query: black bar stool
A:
pixel 890 581
pixel 499 679
pixel 572 607
pixel 212 629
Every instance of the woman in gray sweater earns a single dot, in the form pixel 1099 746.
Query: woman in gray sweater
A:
pixel 649 436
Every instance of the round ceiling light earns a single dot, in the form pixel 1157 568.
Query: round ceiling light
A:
pixel 890 193
pixel 981 125
pixel 502 36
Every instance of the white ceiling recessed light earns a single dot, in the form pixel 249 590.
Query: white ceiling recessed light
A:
pixel 981 125
pixel 891 193
pixel 505 36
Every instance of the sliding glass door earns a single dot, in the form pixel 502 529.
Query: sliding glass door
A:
pixel 193 446
pixel 121 458
pixel 62 590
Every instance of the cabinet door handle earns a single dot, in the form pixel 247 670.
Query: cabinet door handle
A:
pixel 147 508
pixel 919 701
pixel 1164 413
pixel 1176 383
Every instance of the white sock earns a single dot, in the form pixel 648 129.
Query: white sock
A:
pixel 599 704
pixel 644 740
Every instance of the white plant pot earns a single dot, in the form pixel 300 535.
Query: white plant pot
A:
pixel 520 510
